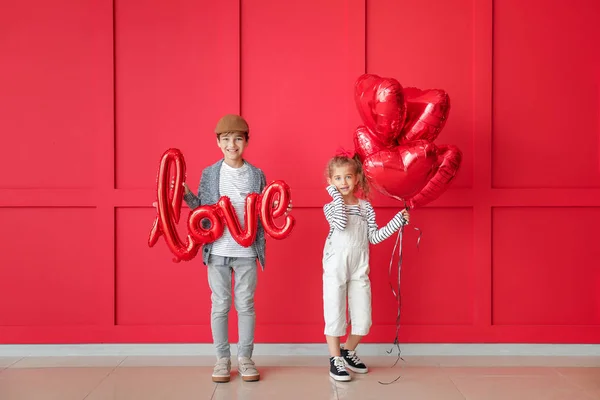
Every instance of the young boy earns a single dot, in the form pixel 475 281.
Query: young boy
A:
pixel 236 178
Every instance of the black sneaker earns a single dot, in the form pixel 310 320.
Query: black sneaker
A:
pixel 337 369
pixel 352 361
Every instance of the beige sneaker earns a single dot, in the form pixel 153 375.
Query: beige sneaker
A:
pixel 222 370
pixel 247 369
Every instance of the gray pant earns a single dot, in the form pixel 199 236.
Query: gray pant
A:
pixel 219 279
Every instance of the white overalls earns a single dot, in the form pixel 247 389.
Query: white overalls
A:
pixel 346 273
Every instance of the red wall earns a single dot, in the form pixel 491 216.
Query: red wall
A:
pixel 93 94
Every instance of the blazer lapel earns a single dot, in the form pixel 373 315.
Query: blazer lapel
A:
pixel 255 178
pixel 217 180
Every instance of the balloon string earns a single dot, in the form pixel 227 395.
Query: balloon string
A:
pixel 397 295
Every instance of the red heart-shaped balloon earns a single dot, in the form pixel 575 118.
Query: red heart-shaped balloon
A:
pixel 382 106
pixel 449 159
pixel 427 112
pixel 396 142
pixel 404 171
pixel 366 143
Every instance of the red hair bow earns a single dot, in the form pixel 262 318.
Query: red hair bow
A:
pixel 341 152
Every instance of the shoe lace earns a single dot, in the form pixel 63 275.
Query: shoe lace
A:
pixel 353 357
pixel 338 363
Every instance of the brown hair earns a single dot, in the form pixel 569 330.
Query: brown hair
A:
pixel 246 136
pixel 355 162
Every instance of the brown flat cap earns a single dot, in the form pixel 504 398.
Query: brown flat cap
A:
pixel 231 123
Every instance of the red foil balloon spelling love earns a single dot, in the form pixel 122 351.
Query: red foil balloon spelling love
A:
pixel 245 237
pixel 398 154
pixel 258 206
pixel 213 232
pixel 169 207
pixel 268 213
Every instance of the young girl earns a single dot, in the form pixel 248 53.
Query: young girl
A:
pixel 346 262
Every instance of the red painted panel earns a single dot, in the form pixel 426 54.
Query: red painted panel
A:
pixel 293 276
pixel 151 288
pixel 290 68
pixel 437 284
pixel 177 68
pixel 433 292
pixel 546 94
pixel 55 74
pixel 48 279
pixel 546 266
pixel 299 63
pixel 429 44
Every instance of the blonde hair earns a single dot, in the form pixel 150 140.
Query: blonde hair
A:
pixel 356 164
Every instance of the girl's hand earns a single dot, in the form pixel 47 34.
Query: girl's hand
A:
pixel 333 191
pixel 405 215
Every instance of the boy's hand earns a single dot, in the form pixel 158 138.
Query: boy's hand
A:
pixel 276 203
pixel 406 215
pixel 186 189
pixel 171 187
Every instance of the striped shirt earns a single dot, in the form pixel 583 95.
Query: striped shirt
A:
pixel 235 184
pixel 337 213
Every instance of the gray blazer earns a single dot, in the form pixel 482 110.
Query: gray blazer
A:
pixel 208 193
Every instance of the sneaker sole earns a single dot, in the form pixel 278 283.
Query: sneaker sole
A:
pixel 221 379
pixel 340 378
pixel 250 378
pixel 357 370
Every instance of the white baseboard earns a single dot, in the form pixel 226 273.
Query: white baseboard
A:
pixel 367 349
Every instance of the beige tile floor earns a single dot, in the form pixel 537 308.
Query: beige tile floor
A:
pixel 293 377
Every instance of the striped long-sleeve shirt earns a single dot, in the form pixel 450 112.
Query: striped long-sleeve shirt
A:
pixel 337 213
